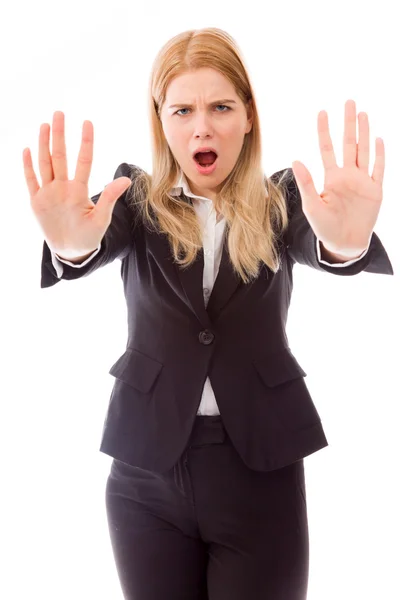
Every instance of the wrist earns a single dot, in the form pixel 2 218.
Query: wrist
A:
pixel 333 256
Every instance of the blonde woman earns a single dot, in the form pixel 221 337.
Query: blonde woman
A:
pixel 209 418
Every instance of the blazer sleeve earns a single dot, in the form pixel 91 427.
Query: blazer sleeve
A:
pixel 301 241
pixel 116 243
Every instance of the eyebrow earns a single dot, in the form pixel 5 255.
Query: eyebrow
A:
pixel 226 101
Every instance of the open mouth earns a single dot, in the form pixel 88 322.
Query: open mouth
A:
pixel 205 159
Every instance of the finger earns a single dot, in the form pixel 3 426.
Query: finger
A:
pixel 85 157
pixel 325 142
pixel 363 142
pixel 45 165
pixel 30 175
pixel 379 167
pixel 110 196
pixel 58 150
pixel 349 138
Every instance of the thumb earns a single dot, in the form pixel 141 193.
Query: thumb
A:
pixel 308 193
pixel 111 194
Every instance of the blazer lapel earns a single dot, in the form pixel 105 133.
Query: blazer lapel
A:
pixel 225 285
pixel 192 281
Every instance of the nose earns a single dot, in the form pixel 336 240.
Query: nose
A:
pixel 202 125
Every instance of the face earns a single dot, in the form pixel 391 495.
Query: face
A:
pixel 201 119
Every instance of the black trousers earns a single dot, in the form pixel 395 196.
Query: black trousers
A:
pixel 211 528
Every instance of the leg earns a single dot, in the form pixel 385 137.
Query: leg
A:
pixel 256 525
pixel 156 551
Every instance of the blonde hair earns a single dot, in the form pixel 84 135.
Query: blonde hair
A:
pixel 254 207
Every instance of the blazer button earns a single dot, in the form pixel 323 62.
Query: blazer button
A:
pixel 206 337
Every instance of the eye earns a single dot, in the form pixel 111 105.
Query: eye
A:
pixel 224 105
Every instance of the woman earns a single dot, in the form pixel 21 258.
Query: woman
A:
pixel 210 418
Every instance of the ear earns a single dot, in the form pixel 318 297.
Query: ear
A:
pixel 249 109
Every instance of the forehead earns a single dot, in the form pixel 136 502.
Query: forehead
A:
pixel 206 84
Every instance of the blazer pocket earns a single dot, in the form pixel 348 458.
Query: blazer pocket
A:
pixel 136 369
pixel 286 392
pixel 278 368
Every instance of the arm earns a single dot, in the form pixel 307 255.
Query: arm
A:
pixel 78 260
pixel 336 260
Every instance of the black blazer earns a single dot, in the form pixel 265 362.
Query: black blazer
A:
pixel 239 341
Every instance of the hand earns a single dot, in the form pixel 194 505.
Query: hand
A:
pixel 72 224
pixel 344 215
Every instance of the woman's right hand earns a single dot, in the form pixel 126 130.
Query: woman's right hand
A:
pixel 72 224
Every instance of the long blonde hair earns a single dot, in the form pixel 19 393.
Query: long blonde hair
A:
pixel 254 206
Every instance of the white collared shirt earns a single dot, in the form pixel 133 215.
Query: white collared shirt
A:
pixel 213 234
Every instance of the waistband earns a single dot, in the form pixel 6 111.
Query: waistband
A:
pixel 207 429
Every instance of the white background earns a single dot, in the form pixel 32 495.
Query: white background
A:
pixel 92 61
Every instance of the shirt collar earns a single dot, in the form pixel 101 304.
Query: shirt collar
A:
pixel 181 185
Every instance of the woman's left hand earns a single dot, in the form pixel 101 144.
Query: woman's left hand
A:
pixel 344 215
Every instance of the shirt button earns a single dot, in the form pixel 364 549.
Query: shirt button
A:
pixel 208 252
pixel 206 337
pixel 206 291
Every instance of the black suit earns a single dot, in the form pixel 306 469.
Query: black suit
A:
pixel 187 519
pixel 239 341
